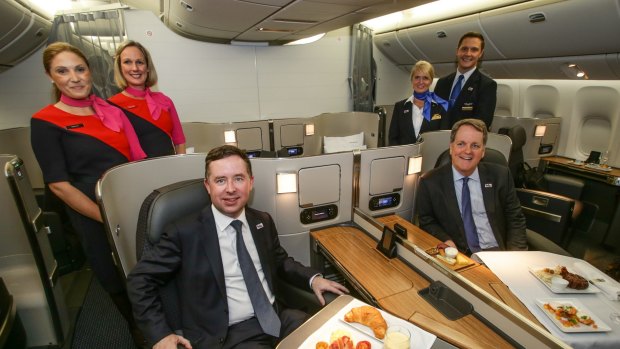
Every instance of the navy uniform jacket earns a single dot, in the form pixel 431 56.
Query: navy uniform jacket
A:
pixel 476 100
pixel 189 252
pixel 439 213
pixel 401 126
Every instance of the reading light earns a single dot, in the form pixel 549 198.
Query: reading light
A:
pixel 309 129
pixel 230 137
pixel 415 165
pixel 286 183
pixel 540 130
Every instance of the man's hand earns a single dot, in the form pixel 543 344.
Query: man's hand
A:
pixel 450 243
pixel 320 285
pixel 171 341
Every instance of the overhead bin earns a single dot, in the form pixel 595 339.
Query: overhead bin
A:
pixel 438 41
pixel 553 28
pixel 21 33
pixel 389 44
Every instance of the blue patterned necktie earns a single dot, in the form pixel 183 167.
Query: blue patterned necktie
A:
pixel 468 219
pixel 266 315
pixel 456 90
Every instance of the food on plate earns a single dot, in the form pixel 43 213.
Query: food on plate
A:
pixel 575 281
pixel 322 345
pixel 368 316
pixel 433 251
pixel 461 260
pixel 343 342
pixel 363 345
pixel 338 334
pixel 442 245
pixel 451 252
pixel 450 261
pixel 569 316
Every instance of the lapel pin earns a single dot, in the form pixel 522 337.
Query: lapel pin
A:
pixel 488 185
pixel 470 89
pixel 259 226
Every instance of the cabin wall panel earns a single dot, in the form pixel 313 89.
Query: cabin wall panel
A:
pixel 219 83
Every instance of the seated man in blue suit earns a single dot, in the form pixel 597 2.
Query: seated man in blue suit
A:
pixel 468 204
pixel 470 93
pixel 224 260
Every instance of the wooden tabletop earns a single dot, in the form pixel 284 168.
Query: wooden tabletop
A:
pixel 569 163
pixel 395 286
pixel 480 275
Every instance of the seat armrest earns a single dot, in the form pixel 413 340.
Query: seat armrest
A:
pixel 294 297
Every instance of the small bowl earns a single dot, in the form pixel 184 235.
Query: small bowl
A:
pixel 451 252
pixel 558 283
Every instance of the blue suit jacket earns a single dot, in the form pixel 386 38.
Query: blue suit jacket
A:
pixel 476 100
pixel 439 214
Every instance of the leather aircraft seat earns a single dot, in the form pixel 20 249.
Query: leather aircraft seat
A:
pixel 172 202
pixel 515 161
pixel 564 185
pixel 547 214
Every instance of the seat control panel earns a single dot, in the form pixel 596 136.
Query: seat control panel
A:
pixel 318 214
pixel 384 201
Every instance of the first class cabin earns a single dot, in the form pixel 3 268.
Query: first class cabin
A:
pixel 315 116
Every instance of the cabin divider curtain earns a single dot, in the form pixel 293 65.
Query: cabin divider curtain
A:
pixel 97 34
pixel 362 74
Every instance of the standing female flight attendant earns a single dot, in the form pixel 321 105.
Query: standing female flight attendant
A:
pixel 152 114
pixel 423 111
pixel 75 141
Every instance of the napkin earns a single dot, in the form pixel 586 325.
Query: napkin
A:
pixel 610 288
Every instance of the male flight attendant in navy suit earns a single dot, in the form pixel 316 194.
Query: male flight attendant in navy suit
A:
pixel 468 204
pixel 475 94
pixel 209 254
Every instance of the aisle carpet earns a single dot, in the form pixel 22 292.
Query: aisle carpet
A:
pixel 99 325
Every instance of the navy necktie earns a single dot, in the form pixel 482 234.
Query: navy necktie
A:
pixel 468 219
pixel 266 315
pixel 456 90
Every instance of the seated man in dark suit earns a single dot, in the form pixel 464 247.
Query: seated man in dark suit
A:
pixel 475 94
pixel 224 260
pixel 468 204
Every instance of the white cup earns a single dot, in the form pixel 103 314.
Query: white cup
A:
pixel 397 337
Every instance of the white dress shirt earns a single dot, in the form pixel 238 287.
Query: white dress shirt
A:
pixel 486 238
pixel 239 303
pixel 416 116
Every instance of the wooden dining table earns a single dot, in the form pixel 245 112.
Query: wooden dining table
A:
pixel 394 286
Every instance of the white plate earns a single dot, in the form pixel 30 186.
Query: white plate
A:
pixel 581 311
pixel 420 339
pixel 598 167
pixel 590 289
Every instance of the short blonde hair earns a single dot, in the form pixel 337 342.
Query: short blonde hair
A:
pixel 119 79
pixel 424 67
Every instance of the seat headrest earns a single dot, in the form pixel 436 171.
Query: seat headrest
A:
pixel 490 155
pixel 517 136
pixel 166 205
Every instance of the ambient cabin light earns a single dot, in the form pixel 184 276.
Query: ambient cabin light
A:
pixel 540 130
pixel 415 165
pixel 306 40
pixel 230 137
pixel 309 129
pixel 286 183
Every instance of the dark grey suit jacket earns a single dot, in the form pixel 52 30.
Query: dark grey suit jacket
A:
pixel 189 253
pixel 440 216
pixel 476 100
pixel 401 126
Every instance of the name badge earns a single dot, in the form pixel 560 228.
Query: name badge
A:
pixel 436 117
pixel 130 106
pixel 259 226
pixel 488 185
pixel 71 127
pixel 467 108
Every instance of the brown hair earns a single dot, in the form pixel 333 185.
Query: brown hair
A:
pixel 472 35
pixel 424 67
pixel 52 50
pixel 119 79
pixel 225 151
pixel 475 123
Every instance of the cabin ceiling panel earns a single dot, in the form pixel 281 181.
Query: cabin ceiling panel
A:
pixel 199 32
pixel 565 28
pixel 233 16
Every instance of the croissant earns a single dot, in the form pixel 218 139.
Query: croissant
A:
pixel 368 316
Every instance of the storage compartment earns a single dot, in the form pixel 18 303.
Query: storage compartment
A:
pixel 438 41
pixel 392 48
pixel 23 32
pixel 542 26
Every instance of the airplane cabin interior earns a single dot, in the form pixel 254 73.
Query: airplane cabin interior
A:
pixel 314 119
